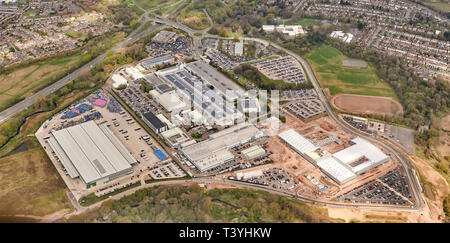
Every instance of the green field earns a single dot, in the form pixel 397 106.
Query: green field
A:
pixel 151 4
pixel 439 5
pixel 30 184
pixel 307 22
pixel 76 35
pixel 170 9
pixel 326 62
pixel 194 18
pixel 23 81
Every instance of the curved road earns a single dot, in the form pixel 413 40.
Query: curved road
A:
pixel 138 33
pixel 132 37
pixel 412 178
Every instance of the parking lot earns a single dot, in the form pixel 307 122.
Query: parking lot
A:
pixel 356 124
pixel 138 101
pixel 301 94
pixel 305 109
pixel 390 188
pixel 397 181
pixel 164 170
pixel 220 59
pixel 403 137
pixel 284 68
pixel 276 178
pixel 182 45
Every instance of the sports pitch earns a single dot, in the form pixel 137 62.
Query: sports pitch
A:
pixel 326 62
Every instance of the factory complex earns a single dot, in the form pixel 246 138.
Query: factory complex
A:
pixel 199 84
pixel 341 166
pixel 215 151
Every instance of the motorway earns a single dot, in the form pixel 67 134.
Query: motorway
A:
pixel 132 37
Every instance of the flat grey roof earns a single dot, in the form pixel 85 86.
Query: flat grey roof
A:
pixel 214 77
pixel 207 148
pixel 94 152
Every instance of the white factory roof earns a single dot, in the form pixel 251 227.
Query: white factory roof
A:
pixel 94 152
pixel 336 170
pixel 118 80
pixel 361 148
pixel 268 27
pixel 134 73
pixel 169 100
pixel 213 159
pixel 206 148
pixel 250 174
pixel 297 141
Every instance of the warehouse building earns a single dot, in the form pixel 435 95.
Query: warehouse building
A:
pixel 151 63
pixel 118 80
pixel 175 136
pixel 337 171
pixel 253 152
pixel 91 152
pixel 154 122
pixel 361 156
pixel 297 142
pixel 218 80
pixel 203 87
pixel 165 37
pixel 215 152
pixel 342 166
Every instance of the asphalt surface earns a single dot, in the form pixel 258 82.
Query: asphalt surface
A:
pixel 132 37
pixel 416 189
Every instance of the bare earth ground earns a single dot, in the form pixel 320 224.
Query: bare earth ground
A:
pixel 30 185
pixel 374 216
pixel 445 123
pixel 441 187
pixel 366 104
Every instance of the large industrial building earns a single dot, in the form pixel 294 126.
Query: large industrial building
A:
pixel 218 80
pixel 342 166
pixel 91 152
pixel 215 152
pixel 206 89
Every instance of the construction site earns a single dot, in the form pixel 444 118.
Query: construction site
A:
pixel 325 162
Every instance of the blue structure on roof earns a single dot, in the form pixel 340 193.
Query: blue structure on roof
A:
pixel 160 154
